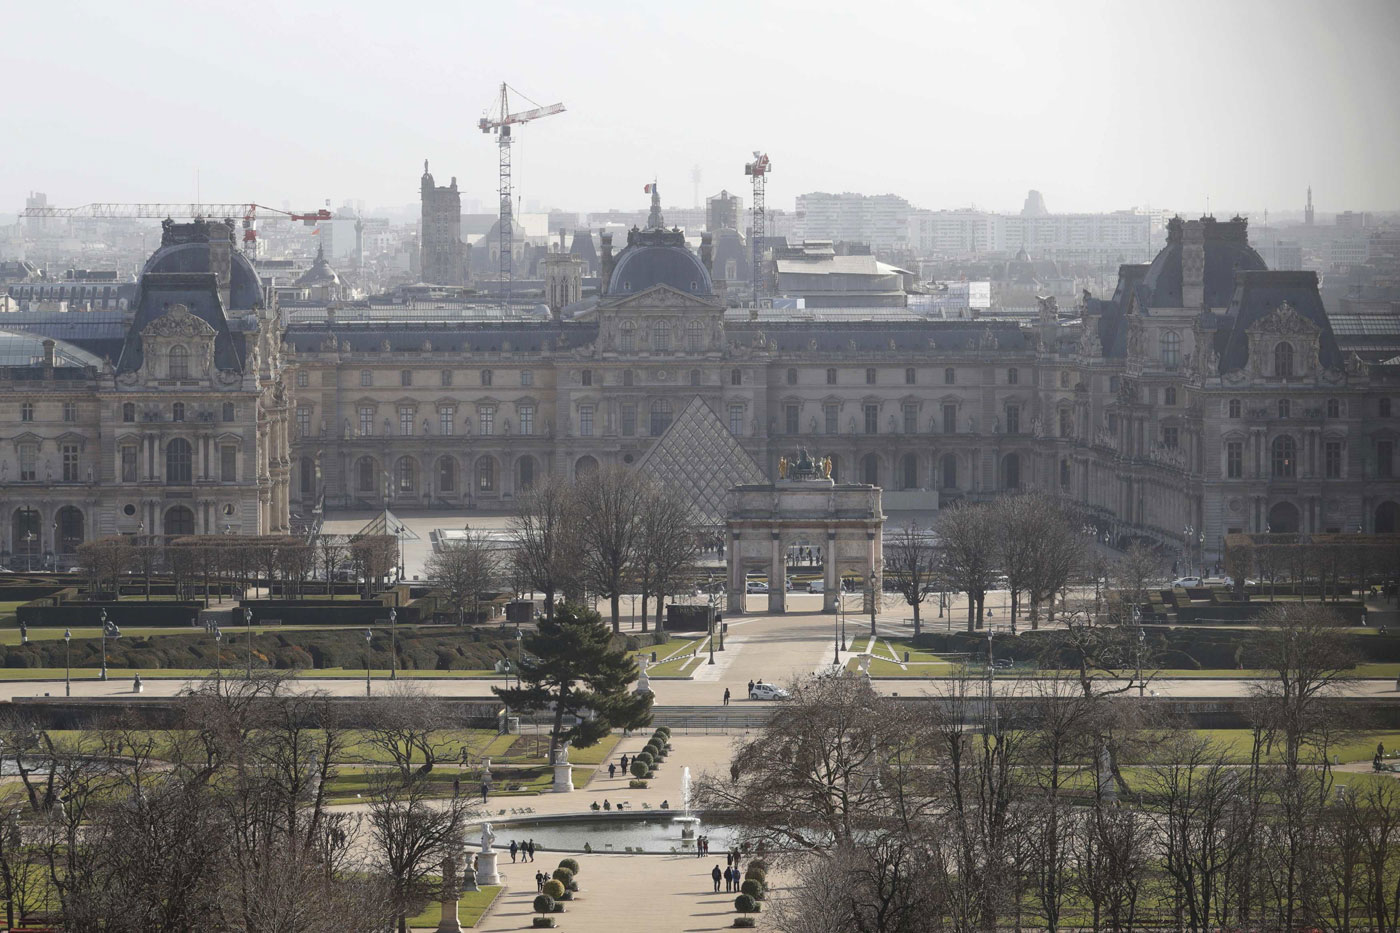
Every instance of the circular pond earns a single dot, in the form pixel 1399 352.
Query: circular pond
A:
pixel 652 832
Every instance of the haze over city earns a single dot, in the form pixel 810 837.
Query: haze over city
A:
pixel 1102 106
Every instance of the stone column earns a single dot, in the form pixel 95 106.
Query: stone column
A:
pixel 737 583
pixel 777 577
pixel 450 922
pixel 831 588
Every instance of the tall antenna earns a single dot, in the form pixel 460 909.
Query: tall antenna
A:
pixel 501 127
pixel 758 169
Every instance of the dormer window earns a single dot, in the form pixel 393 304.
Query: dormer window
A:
pixel 1283 360
pixel 179 362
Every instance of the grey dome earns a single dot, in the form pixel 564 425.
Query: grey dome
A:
pixel 640 267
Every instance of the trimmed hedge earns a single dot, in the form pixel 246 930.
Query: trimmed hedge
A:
pixel 570 864
pixel 554 889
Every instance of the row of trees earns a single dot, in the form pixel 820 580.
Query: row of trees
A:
pixel 1323 564
pixel 613 532
pixel 225 820
pixel 1033 541
pixel 959 814
pixel 200 564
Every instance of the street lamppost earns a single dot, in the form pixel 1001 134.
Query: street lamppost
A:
pixel 393 644
pixel 29 551
pixel 248 624
pixel 712 628
pixel 1141 639
pixel 873 598
pixel 369 634
pixel 218 661
pixel 836 621
pixel 102 619
pixel 68 662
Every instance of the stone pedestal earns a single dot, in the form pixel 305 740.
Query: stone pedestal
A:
pixel 450 922
pixel 486 872
pixel 563 778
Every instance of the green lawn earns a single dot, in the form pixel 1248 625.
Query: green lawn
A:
pixel 470 907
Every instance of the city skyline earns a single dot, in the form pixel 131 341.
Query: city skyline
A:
pixel 310 109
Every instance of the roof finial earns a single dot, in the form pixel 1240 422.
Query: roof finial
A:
pixel 654 220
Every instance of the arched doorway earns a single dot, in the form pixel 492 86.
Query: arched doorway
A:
pixel 1283 519
pixel 1387 518
pixel 179 521
pixel 524 474
pixel 24 533
pixel 585 466
pixel 948 467
pixel 366 471
pixel 1011 472
pixel 870 469
pixel 70 529
pixel 909 472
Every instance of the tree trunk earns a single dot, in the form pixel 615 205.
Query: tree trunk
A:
pixel 971 613
pixel 645 597
pixel 615 601
pixel 916 618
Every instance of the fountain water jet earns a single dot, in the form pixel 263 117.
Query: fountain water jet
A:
pixel 688 822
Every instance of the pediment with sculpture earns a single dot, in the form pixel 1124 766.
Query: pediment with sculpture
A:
pixel 1285 321
pixel 178 321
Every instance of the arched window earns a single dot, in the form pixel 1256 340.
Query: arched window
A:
pixel 909 472
pixel 870 469
pixel 694 335
pixel 179 522
pixel 660 416
pixel 1171 349
pixel 585 466
pixel 948 466
pixel 1283 360
pixel 128 412
pixel 1285 408
pixel 446 474
pixel 486 474
pixel 177 411
pixel 1284 453
pixel 179 362
pixel 524 474
pixel 792 377
pixel 365 472
pixel 179 462
pixel 24 533
pixel 406 475
pixel 1235 408
pixel 627 337
pixel 736 377
pixel 1334 408
pixel 661 336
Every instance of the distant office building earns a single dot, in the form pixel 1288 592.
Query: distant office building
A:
pixel 443 255
pixel 1282 255
pixel 1035 205
pixel 723 212
pixel 1353 220
pixel 962 232
pixel 881 220
pixel 816 273
pixel 1114 237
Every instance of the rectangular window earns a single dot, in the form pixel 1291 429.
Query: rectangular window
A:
pixel 790 414
pixel 911 418
pixel 26 411
pixel 487 417
pixel 1013 376
pixel 70 463
pixel 1170 438
pixel 28 463
pixel 1066 424
pixel 736 420
pixel 527 377
pixel 447 419
pixel 1332 459
pixel 870 376
pixel 872 419
pixel 585 420
pixel 1013 419
pixel 446 377
pixel 70 411
pixel 527 419
pixel 587 377
pixel 128 464
pixel 950 418
pixel 486 377
pixel 830 412
pixel 1234 459
pixel 303 420
pixel 909 376
pixel 366 420
pixel 405 377
pixel 366 377
pixel 831 377
pixel 303 379
pixel 405 421
pixel 629 419
pixel 1385 459
pixel 228 464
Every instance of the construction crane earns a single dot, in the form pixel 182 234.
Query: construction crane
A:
pixel 152 211
pixel 758 170
pixel 501 127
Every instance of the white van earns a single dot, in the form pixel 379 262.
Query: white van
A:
pixel 816 586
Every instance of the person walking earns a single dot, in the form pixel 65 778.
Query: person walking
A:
pixel 612 770
pixel 539 881
pixel 624 764
pixel 715 874
pixel 751 688
pixel 513 849
pixel 485 791
pixel 728 881
pixel 726 696
pixel 531 846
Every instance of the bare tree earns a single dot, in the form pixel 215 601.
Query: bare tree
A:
pixel 546 538
pixel 374 557
pixel 330 551
pixel 1133 576
pixel 409 834
pixel 667 544
pixel 407 725
pixel 969 555
pixel 107 561
pixel 912 565
pixel 463 571
pixel 609 514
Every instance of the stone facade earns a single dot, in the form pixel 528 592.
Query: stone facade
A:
pixel 442 254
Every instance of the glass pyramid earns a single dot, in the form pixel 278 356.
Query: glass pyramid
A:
pixel 699 456
pixel 387 523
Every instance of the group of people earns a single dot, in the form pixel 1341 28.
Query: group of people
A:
pixel 731 876
pixel 702 846
pixel 526 850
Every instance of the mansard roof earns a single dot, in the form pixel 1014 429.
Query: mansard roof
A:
pixel 386 336
pixel 1227 251
pixel 1257 296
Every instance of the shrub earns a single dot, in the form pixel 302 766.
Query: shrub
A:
pixel 745 904
pixel 664 730
pixel 752 888
pixel 563 876
pixel 746 922
pixel 570 864
pixel 645 758
pixel 636 784
pixel 554 889
pixel 757 874
pixel 759 864
pixel 640 769
pixel 543 904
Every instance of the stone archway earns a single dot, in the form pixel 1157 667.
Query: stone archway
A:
pixel 1387 518
pixel 1284 519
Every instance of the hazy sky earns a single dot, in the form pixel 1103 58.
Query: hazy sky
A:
pixel 1098 105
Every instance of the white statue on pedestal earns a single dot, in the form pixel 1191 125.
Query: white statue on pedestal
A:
pixel 488 837
pixel 643 680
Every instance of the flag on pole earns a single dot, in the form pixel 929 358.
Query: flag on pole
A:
pixel 647 189
pixel 316 231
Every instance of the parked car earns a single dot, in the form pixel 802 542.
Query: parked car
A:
pixel 756 586
pixel 1185 582
pixel 1218 581
pixel 1003 663
pixel 762 691
pixel 816 586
